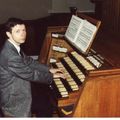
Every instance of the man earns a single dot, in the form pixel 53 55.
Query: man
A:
pixel 17 71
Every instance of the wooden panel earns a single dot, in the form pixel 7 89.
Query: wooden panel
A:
pixel 47 42
pixel 100 98
pixel 70 100
pixel 109 13
pixel 58 43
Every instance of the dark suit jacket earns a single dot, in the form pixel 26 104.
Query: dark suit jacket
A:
pixel 16 72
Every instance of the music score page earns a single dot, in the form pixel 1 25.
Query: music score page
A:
pixel 80 33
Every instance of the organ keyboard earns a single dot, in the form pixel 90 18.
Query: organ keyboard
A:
pixel 75 68
pixel 90 79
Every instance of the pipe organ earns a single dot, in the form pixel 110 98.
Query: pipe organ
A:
pixel 91 88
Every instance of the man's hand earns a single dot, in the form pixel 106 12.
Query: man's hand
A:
pixel 57 73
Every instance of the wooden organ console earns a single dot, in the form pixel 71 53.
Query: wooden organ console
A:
pixel 91 88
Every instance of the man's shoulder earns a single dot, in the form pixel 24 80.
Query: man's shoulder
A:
pixel 5 54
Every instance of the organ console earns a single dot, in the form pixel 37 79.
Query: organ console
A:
pixel 91 88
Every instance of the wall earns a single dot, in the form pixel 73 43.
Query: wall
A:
pixel 27 9
pixel 33 9
pixel 63 5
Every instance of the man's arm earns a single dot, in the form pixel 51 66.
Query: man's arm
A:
pixel 23 70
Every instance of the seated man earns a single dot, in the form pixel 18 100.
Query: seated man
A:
pixel 17 71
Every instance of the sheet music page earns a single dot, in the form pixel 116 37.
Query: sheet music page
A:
pixel 85 35
pixel 73 28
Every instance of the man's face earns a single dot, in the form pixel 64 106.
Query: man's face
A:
pixel 18 34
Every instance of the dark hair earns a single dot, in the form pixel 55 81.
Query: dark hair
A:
pixel 13 22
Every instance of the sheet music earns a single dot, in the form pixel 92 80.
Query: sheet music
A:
pixel 73 28
pixel 80 32
pixel 85 35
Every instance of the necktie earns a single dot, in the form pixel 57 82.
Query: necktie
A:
pixel 21 53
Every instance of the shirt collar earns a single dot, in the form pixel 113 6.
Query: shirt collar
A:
pixel 16 46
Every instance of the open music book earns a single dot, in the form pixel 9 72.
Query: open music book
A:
pixel 80 33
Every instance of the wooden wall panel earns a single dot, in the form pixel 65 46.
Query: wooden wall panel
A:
pixel 109 13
